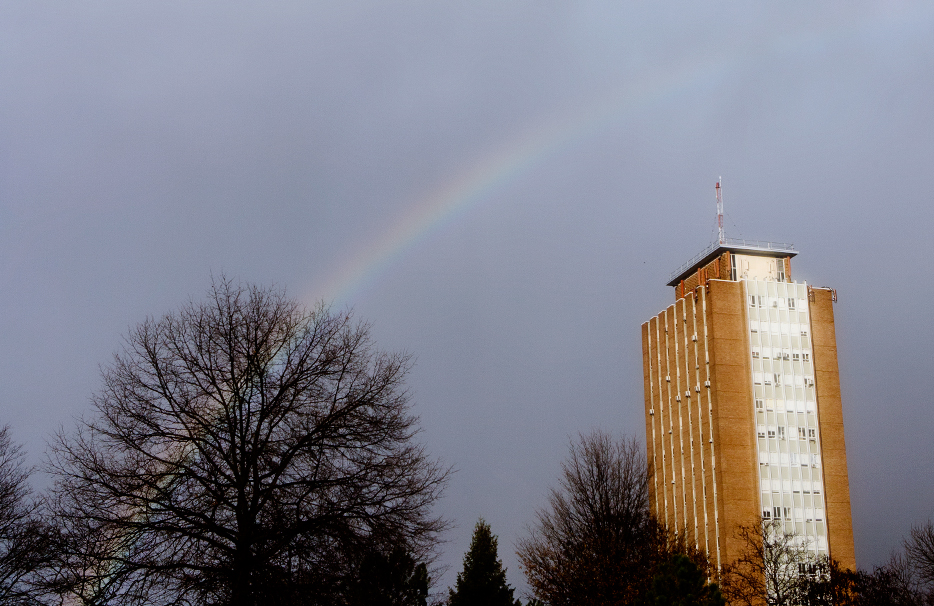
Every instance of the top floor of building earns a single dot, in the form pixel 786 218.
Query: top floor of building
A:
pixel 734 259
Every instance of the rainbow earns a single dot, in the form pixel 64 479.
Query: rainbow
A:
pixel 452 199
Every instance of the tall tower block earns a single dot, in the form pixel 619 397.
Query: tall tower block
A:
pixel 743 415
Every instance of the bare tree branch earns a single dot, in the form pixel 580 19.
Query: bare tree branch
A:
pixel 25 541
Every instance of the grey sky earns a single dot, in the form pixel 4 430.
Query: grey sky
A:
pixel 144 146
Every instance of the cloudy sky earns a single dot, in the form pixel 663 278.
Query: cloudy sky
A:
pixel 501 187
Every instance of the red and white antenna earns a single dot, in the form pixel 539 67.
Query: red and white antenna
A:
pixel 720 212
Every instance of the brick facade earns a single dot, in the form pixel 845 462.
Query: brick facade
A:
pixel 701 411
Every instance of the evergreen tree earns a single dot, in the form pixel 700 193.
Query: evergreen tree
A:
pixel 679 582
pixel 393 579
pixel 483 581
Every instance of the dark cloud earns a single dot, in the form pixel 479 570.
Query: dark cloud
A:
pixel 143 147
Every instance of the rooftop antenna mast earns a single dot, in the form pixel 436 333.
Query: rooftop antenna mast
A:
pixel 720 212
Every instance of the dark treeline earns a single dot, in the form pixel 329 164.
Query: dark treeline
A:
pixel 247 450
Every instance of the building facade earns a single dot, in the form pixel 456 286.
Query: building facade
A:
pixel 743 413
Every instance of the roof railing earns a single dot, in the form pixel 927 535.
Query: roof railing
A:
pixel 733 242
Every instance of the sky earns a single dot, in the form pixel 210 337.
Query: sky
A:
pixel 500 187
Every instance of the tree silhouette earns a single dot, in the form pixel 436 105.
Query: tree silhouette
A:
pixel 25 542
pixel 244 450
pixel 596 542
pixel 483 580
pixel 680 582
pixel 393 579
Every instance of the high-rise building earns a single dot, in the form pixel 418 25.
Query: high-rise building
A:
pixel 743 414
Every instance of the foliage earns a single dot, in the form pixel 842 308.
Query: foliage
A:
pixel 393 579
pixel 892 584
pixel 680 582
pixel 483 580
pixel 829 585
pixel 244 450
pixel 596 541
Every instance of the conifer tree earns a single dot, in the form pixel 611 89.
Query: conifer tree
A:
pixel 393 579
pixel 680 582
pixel 483 580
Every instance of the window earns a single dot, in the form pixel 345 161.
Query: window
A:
pixel 795 357
pixel 755 354
pixel 759 403
pixel 761 432
pixel 804 332
pixel 766 514
pixel 777 513
pixel 806 357
pixel 771 432
pixel 812 433
pixel 752 300
pixel 781 433
pixel 802 433
pixel 791 302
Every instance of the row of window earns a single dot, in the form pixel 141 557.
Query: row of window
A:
pixel 772 431
pixel 786 458
pixel 780 512
pixel 783 417
pixel 793 488
pixel 778 328
pixel 779 290
pixel 765 342
pixel 781 354
pixel 779 379
pixel 789 513
pixel 791 303
pixel 791 402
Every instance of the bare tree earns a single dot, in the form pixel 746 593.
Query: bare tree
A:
pixel 595 542
pixel 768 567
pixel 892 584
pixel 244 450
pixel 24 540
pixel 919 547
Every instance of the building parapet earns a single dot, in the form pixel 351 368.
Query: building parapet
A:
pixel 730 244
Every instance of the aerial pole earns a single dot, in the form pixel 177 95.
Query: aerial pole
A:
pixel 720 211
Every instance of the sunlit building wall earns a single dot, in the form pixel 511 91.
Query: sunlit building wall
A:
pixel 743 411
